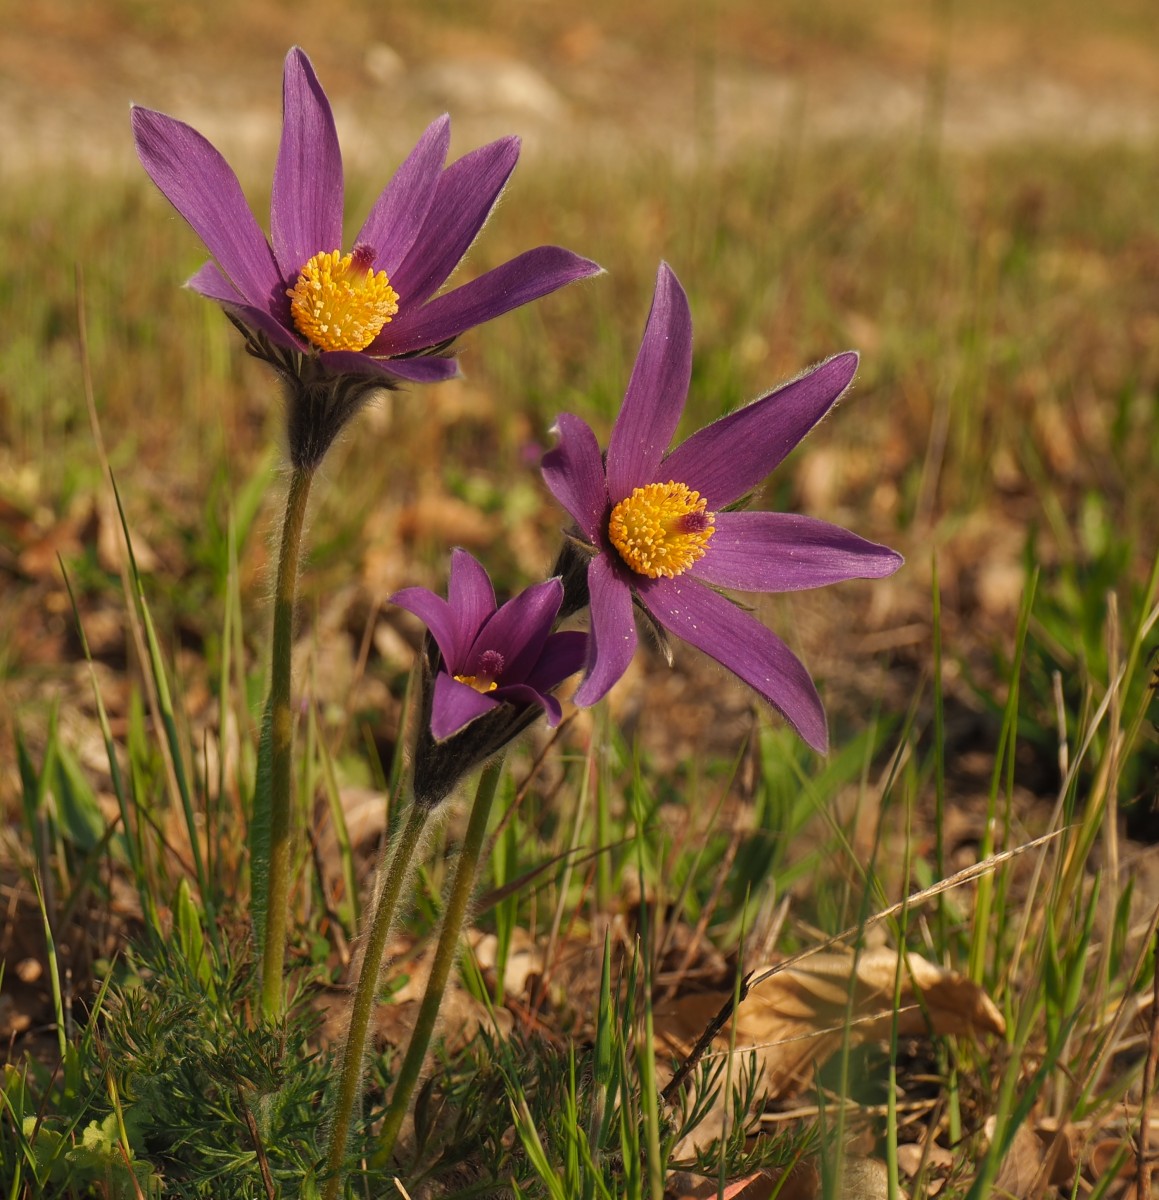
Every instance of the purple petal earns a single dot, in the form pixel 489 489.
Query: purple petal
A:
pixel 532 274
pixel 424 369
pixel 306 202
pixel 656 392
pixel 785 552
pixel 612 641
pixel 574 472
pixel 209 282
pixel 524 696
pixel 731 456
pixel 563 654
pixel 741 643
pixel 519 630
pixel 437 615
pixel 199 183
pixel 454 705
pixel 471 596
pixel 399 212
pixel 466 193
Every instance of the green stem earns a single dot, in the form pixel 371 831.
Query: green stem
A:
pixel 445 954
pixel 394 872
pixel 282 746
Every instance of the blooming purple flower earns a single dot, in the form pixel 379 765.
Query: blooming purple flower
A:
pixel 660 528
pixel 493 656
pixel 370 312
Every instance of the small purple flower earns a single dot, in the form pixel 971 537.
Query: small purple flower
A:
pixel 662 531
pixel 370 312
pixel 491 656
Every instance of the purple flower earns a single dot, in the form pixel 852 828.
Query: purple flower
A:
pixel 370 312
pixel 662 532
pixel 491 657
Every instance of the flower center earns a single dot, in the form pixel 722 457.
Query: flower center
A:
pixel 490 667
pixel 661 529
pixel 339 302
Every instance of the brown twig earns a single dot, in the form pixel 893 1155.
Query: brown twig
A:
pixel 259 1149
pixel 705 1040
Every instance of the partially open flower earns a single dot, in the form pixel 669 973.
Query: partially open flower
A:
pixel 488 671
pixel 659 527
pixel 316 310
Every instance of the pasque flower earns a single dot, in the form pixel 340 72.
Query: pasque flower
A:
pixel 310 307
pixel 490 672
pixel 661 531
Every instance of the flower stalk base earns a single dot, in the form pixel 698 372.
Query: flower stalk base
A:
pixel 445 954
pixel 277 900
pixel 396 867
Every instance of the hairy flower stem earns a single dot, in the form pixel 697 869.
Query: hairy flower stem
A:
pixel 445 954
pixel 282 746
pixel 396 865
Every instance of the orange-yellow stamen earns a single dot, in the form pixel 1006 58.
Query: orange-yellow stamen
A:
pixel 480 685
pixel 340 302
pixel 661 529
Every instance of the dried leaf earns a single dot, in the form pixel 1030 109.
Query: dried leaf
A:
pixel 1021 1164
pixel 937 1160
pixel 865 1179
pixel 796 1017
pixel 442 518
pixel 801 1182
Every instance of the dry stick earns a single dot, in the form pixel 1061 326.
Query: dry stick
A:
pixel 750 981
pixel 282 746
pixel 445 954
pixel 1142 1155
pixel 393 873
pixel 259 1149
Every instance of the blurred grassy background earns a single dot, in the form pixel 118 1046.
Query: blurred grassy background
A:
pixel 964 193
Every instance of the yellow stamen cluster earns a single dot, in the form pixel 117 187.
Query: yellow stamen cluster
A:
pixel 661 529
pixel 340 303
pixel 480 685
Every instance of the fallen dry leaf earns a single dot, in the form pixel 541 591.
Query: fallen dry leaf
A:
pixel 801 1182
pixel 445 519
pixel 937 1161
pixel 1039 1155
pixel 796 1017
pixel 1022 1163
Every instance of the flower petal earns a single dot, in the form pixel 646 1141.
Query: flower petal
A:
pixel 531 275
pixel 518 630
pixel 563 654
pixel 731 456
pixel 454 705
pixel 438 616
pixel 428 368
pixel 786 552
pixel 612 641
pixel 466 193
pixel 523 696
pixel 656 392
pixel 199 183
pixel 208 281
pixel 306 201
pixel 399 212
pixel 741 643
pixel 574 472
pixel 472 598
